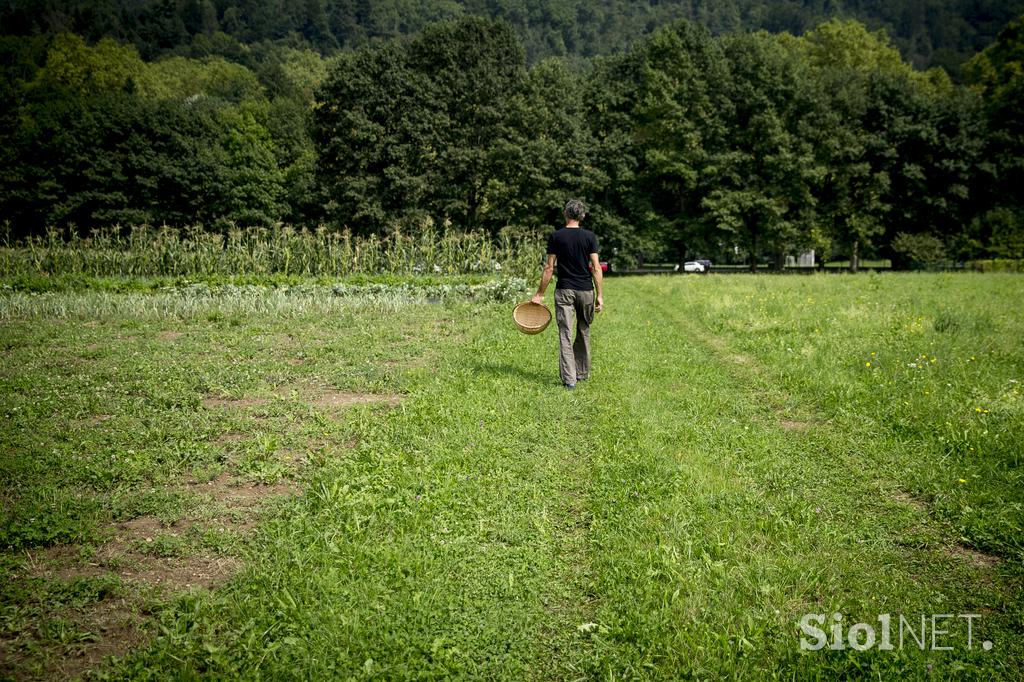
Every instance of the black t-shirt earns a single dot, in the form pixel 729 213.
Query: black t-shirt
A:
pixel 572 247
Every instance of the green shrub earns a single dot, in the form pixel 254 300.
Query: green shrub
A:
pixel 997 265
pixel 921 250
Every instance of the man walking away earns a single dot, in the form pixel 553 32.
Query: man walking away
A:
pixel 574 249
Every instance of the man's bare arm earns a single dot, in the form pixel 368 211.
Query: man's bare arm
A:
pixel 595 267
pixel 545 278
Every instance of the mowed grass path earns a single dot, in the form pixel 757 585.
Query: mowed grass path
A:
pixel 749 450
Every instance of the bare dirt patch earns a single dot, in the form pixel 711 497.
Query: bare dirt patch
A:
pixel 169 335
pixel 218 402
pixel 142 528
pixel 341 399
pixel 793 424
pixel 972 556
pixel 226 438
pixel 111 627
pixel 116 625
pixel 240 495
pixel 331 400
pixel 91 420
pixel 172 574
pixel 118 630
pixel 291 456
pixel 906 498
pixel 120 554
pixel 186 572
pixel 138 559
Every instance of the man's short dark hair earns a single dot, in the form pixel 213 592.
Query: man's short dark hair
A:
pixel 575 209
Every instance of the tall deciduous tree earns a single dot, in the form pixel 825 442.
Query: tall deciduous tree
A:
pixel 414 129
pixel 763 179
pixel 932 153
pixel 475 66
pixel 547 152
pixel 854 194
pixel 616 209
pixel 997 75
pixel 679 115
pixel 84 70
pixel 377 139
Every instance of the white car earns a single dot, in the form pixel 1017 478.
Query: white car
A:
pixel 698 266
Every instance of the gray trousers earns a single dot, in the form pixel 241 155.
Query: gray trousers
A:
pixel 574 355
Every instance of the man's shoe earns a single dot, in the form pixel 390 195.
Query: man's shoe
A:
pixel 570 387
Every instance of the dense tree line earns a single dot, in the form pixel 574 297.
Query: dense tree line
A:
pixel 94 135
pixel 746 146
pixel 928 32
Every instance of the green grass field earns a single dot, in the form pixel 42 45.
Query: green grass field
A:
pixel 309 487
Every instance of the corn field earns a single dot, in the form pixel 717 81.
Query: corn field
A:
pixel 150 252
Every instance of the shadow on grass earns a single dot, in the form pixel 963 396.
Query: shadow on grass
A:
pixel 503 369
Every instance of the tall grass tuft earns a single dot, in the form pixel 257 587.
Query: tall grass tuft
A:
pixel 146 251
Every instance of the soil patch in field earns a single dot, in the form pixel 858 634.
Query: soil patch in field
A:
pixel 217 402
pixel 118 630
pixel 972 556
pixel 794 424
pixel 906 498
pixel 239 495
pixel 91 420
pixel 331 400
pixel 171 574
pixel 958 551
pixel 117 624
pixel 169 335
pixel 111 627
pixel 291 456
pixel 141 528
pixel 121 555
pixel 229 437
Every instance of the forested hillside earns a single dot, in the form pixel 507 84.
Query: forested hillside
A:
pixel 743 147
pixel 927 32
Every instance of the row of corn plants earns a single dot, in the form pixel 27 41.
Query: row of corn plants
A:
pixel 145 251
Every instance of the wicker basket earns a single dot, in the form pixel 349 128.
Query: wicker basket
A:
pixel 531 318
